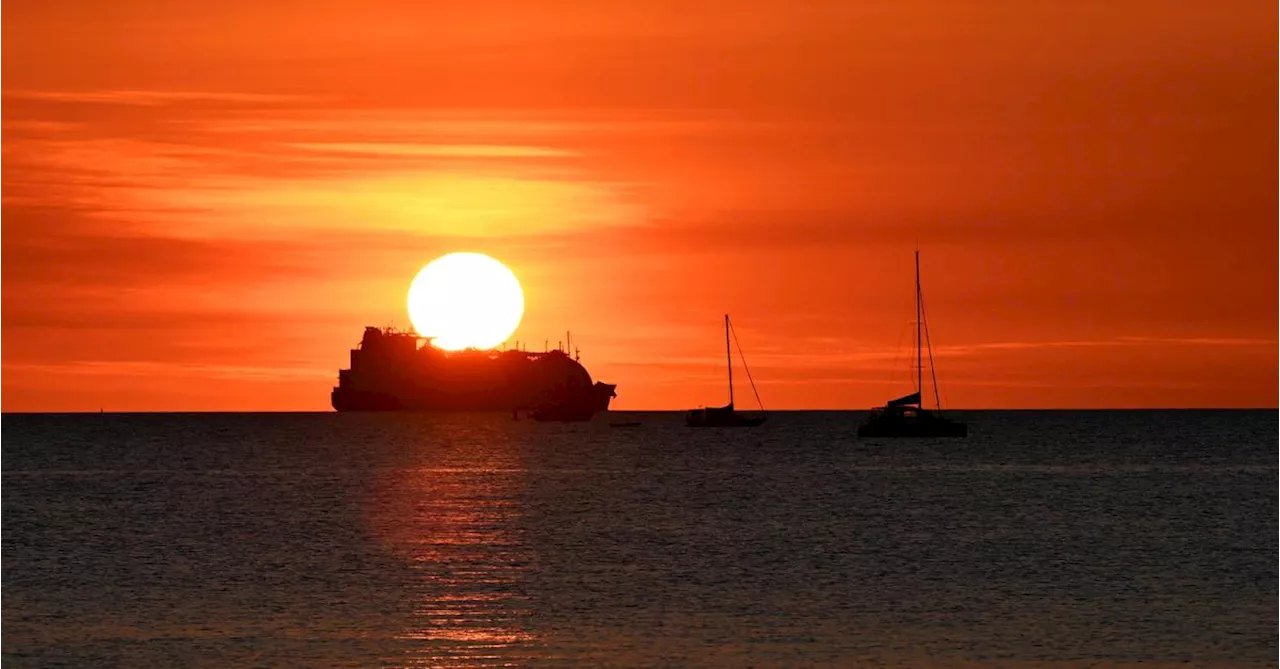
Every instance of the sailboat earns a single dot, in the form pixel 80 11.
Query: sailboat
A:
pixel 726 416
pixel 906 416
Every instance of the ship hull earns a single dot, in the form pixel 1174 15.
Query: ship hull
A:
pixel 349 400
pixel 574 407
pixel 578 406
pixel 594 400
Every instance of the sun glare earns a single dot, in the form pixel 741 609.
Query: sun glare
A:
pixel 465 300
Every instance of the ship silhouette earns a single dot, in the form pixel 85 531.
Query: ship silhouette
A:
pixel 393 370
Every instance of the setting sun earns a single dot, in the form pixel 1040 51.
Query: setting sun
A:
pixel 465 300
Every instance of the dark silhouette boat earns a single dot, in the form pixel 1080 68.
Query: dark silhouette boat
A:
pixel 906 416
pixel 727 416
pixel 399 371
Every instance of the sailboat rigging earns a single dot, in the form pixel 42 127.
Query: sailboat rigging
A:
pixel 906 416
pixel 727 416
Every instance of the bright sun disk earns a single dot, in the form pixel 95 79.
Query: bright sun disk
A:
pixel 465 300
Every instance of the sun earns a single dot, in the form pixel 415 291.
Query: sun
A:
pixel 465 300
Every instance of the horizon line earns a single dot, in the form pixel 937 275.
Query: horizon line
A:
pixel 673 411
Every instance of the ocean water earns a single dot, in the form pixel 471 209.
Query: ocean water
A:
pixel 1046 539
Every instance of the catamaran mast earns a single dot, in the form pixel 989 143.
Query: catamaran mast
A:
pixel 919 341
pixel 728 356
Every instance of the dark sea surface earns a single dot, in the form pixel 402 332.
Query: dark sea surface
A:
pixel 1110 538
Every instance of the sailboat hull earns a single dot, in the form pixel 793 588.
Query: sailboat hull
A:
pixel 919 426
pixel 721 417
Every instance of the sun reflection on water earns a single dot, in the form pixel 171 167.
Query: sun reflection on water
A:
pixel 456 529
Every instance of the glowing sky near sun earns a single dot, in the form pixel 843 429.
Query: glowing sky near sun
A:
pixel 204 204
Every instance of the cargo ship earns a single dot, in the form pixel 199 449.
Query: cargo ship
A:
pixel 393 370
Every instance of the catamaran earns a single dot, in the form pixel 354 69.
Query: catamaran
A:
pixel 726 416
pixel 906 416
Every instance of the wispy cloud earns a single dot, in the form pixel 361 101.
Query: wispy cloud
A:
pixel 196 190
pixel 152 369
pixel 435 150
pixel 1201 341
pixel 40 126
pixel 150 98
pixel 1130 341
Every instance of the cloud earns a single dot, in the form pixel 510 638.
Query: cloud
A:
pixel 433 150
pixel 1200 341
pixel 153 98
pixel 35 126
pixel 201 188
pixel 170 370
pixel 48 248
pixel 1117 342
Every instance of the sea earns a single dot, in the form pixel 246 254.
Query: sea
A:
pixel 1044 539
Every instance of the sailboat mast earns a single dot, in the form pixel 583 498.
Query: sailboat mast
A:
pixel 728 356
pixel 919 341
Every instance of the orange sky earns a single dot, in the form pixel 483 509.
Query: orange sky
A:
pixel 204 203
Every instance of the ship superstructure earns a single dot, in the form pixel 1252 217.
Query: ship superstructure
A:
pixel 393 370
